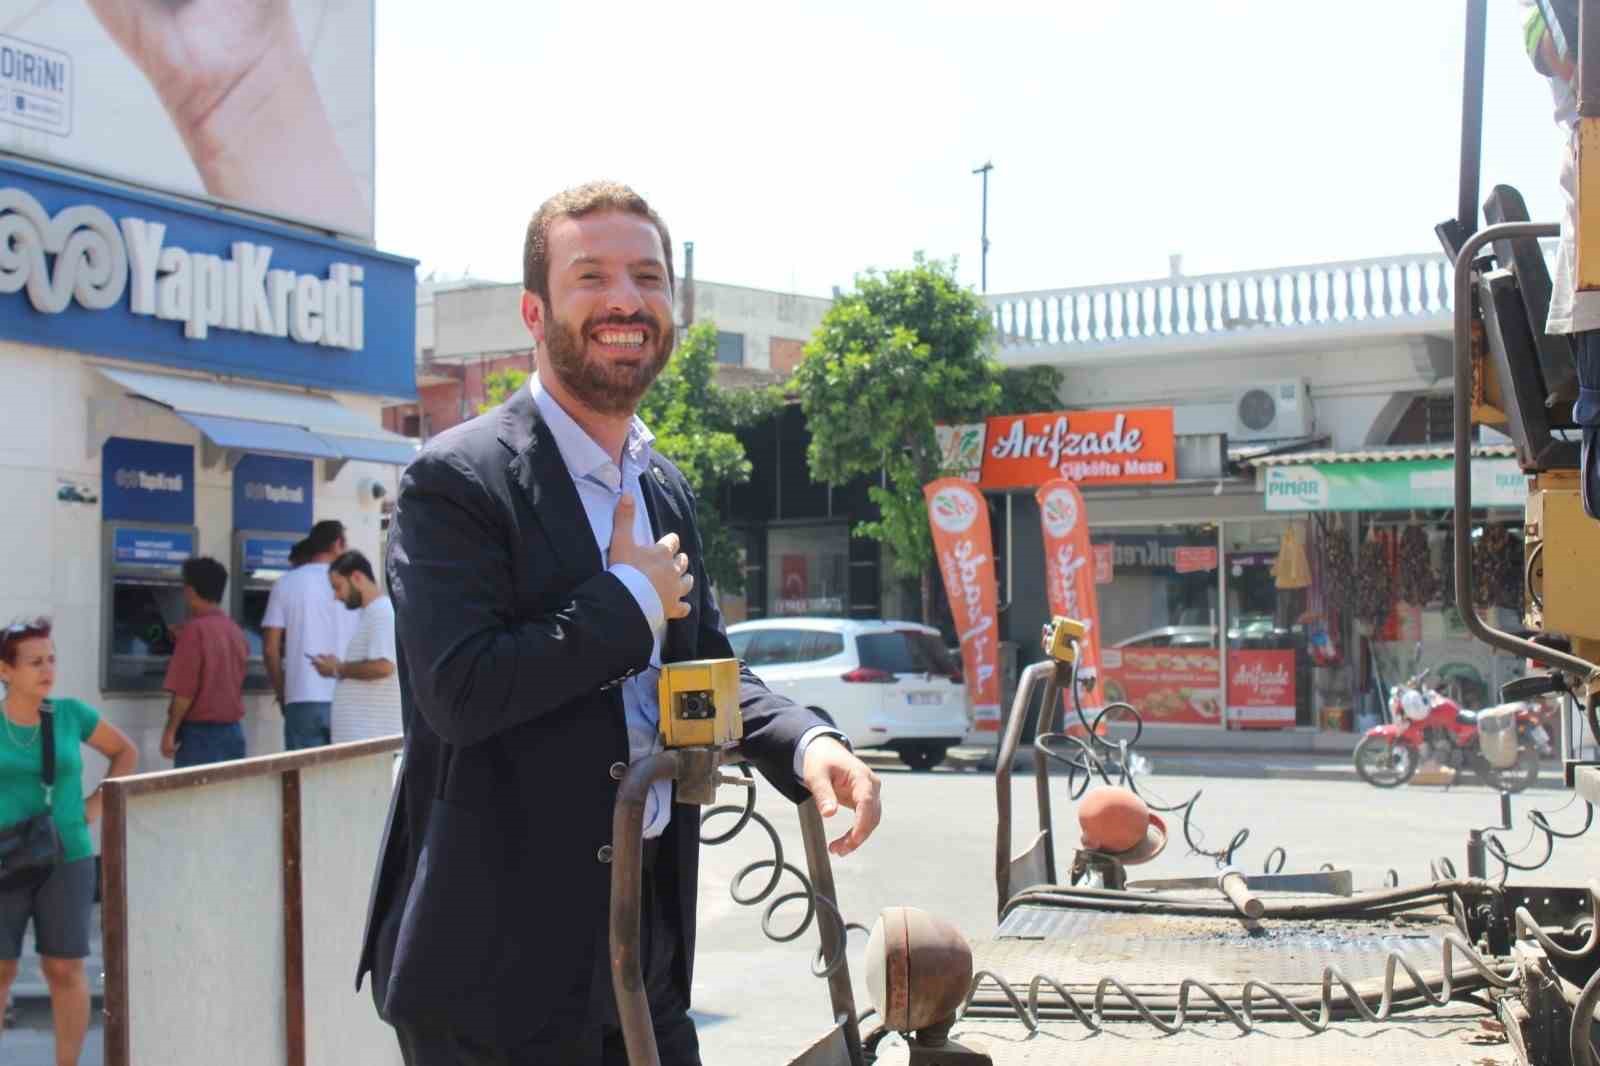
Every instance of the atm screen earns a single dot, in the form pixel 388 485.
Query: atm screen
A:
pixel 253 608
pixel 143 614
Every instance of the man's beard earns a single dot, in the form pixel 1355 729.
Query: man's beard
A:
pixel 353 601
pixel 604 387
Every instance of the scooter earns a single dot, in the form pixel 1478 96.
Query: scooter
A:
pixel 1502 745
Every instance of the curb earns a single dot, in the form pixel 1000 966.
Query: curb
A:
pixel 1187 764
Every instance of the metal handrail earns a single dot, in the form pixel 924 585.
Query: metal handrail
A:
pixel 696 771
pixel 1029 679
pixel 1494 637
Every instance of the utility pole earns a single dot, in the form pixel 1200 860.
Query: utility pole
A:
pixel 983 285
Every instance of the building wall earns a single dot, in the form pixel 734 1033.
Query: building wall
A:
pixel 774 324
pixel 50 550
pixel 1351 385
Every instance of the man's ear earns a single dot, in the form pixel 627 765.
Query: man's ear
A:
pixel 534 315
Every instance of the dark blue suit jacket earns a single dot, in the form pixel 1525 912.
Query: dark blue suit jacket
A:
pixel 489 906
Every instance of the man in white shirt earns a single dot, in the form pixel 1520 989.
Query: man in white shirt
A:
pixel 366 703
pixel 302 621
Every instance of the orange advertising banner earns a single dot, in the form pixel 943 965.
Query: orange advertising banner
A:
pixel 959 520
pixel 1069 572
pixel 1086 447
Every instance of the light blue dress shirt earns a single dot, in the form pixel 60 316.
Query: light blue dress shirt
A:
pixel 600 485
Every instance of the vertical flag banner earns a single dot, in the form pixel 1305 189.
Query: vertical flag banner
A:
pixel 1069 570
pixel 959 520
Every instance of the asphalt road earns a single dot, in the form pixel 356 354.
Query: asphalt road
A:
pixel 758 1004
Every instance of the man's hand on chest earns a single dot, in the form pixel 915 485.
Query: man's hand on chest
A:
pixel 662 564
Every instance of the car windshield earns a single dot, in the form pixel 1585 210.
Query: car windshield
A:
pixel 905 652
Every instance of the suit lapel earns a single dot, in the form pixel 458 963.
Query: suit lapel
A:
pixel 537 467
pixel 667 516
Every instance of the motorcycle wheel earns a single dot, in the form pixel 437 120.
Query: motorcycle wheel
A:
pixel 1384 764
pixel 1514 778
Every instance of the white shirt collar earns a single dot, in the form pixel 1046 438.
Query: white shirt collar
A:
pixel 579 450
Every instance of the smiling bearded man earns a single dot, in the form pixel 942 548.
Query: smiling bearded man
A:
pixel 539 582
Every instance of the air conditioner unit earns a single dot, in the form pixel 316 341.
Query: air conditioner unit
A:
pixel 1274 410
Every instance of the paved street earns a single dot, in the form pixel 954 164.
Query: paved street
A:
pixel 758 1004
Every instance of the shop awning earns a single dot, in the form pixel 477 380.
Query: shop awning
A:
pixel 248 418
pixel 1418 478
pixel 1419 453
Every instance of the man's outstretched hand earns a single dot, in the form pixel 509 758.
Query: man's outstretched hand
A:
pixel 837 778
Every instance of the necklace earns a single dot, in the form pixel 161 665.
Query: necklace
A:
pixel 30 734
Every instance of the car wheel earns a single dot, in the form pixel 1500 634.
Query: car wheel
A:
pixel 923 756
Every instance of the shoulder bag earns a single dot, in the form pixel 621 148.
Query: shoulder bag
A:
pixel 31 848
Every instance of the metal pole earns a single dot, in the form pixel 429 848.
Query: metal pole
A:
pixel 627 872
pixel 983 272
pixel 1472 116
pixel 1003 765
pixel 828 924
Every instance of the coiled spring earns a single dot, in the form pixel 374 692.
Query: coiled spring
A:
pixel 1092 755
pixel 1249 1013
pixel 747 814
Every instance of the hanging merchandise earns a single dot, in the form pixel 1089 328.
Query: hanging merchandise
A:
pixel 1340 576
pixel 1322 618
pixel 1419 582
pixel 1375 587
pixel 1497 569
pixel 1291 570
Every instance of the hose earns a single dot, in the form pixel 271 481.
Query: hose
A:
pixel 747 814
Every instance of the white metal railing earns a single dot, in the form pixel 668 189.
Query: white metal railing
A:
pixel 1359 291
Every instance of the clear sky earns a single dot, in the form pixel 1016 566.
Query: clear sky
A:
pixel 798 144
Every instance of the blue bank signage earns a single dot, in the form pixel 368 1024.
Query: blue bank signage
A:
pixel 144 547
pixel 113 272
pixel 272 493
pixel 147 481
pixel 267 553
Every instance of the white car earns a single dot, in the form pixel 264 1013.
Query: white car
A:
pixel 883 684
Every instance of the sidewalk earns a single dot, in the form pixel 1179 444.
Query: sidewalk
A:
pixel 1177 762
pixel 30 986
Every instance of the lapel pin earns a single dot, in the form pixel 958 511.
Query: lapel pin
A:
pixel 660 477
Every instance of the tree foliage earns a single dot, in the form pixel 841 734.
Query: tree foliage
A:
pixel 498 385
pixel 907 349
pixel 693 419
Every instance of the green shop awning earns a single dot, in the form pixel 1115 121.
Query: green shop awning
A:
pixel 1414 479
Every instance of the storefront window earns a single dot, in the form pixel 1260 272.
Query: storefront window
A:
pixel 1269 670
pixel 1159 620
pixel 808 570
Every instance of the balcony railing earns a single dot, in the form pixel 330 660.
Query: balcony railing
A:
pixel 1397 289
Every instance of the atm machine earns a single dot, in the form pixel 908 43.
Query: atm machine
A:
pixel 142 602
pixel 259 559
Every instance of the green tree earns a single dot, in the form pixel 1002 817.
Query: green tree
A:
pixel 498 386
pixel 693 419
pixel 907 349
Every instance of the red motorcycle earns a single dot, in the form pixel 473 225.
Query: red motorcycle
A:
pixel 1502 744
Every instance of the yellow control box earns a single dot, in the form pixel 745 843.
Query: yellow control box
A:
pixel 700 704
pixel 1059 637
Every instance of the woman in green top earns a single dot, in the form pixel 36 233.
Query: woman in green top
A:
pixel 59 906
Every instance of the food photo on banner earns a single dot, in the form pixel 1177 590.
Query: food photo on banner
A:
pixel 266 106
pixel 1070 578
pixel 958 518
